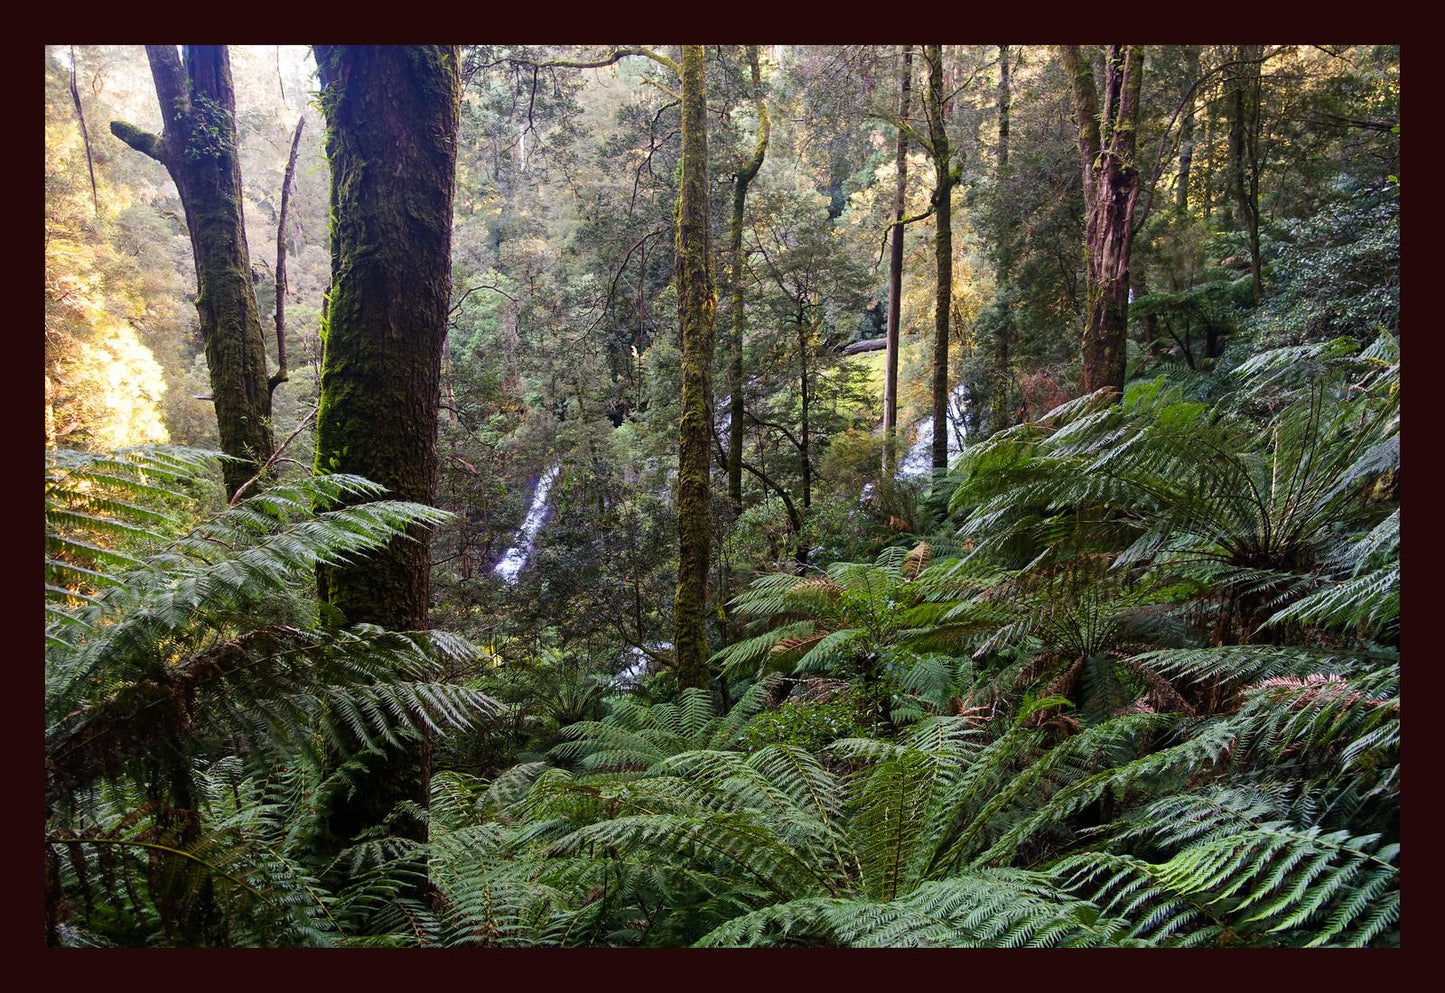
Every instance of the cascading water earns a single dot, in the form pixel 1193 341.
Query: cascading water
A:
pixel 918 462
pixel 517 556
pixel 637 667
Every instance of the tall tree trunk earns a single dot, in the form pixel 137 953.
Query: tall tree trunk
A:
pixel 1004 257
pixel 696 303
pixel 741 179
pixel 1235 108
pixel 1186 129
pixel 1246 105
pixel 942 248
pixel 895 276
pixel 198 149
pixel 84 132
pixel 282 373
pixel 391 139
pixel 1111 187
pixel 803 386
pixel 1207 205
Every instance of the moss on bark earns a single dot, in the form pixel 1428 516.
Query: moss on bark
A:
pixel 392 114
pixel 696 303
pixel 198 149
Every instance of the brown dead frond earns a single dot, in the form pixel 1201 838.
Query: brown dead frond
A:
pixel 917 560
pixel 799 644
pixel 819 584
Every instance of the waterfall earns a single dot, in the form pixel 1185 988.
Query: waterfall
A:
pixel 638 662
pixel 918 462
pixel 516 558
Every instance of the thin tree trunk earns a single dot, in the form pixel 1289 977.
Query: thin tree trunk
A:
pixel 942 247
pixel 895 276
pixel 1236 110
pixel 282 374
pixel 741 179
pixel 803 384
pixel 1207 207
pixel 84 133
pixel 1250 106
pixel 391 139
pixel 696 303
pixel 1003 274
pixel 198 149
pixel 1186 131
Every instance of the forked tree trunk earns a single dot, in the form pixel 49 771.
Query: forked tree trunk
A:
pixel 198 149
pixel 391 114
pixel 696 303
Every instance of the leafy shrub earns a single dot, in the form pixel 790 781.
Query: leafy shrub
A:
pixel 811 724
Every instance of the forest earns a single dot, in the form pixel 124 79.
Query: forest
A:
pixel 722 496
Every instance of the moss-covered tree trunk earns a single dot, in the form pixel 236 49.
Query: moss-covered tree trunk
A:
pixel 895 276
pixel 741 179
pixel 696 303
pixel 1111 187
pixel 942 248
pixel 198 149
pixel 391 115
pixel 1245 91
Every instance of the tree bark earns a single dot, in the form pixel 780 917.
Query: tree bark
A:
pixel 198 149
pixel 392 115
pixel 696 303
pixel 895 276
pixel 741 180
pixel 282 374
pixel 84 133
pixel 942 248
pixel 1244 153
pixel 1186 130
pixel 1004 258
pixel 1111 187
pixel 804 427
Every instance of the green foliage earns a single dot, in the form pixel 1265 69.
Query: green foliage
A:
pixel 811 725
pixel 178 688
pixel 1129 675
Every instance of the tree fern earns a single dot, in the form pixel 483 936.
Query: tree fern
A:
pixel 200 649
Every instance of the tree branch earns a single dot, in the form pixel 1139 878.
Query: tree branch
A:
pixel 275 457
pixel 617 55
pixel 141 141
pixel 883 246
